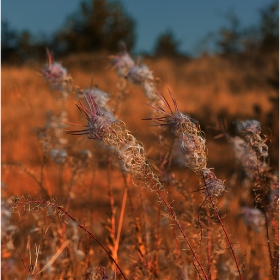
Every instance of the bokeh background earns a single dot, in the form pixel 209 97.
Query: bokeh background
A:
pixel 193 26
pixel 220 60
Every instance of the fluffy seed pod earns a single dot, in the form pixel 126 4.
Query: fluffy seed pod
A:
pixel 55 74
pixel 139 74
pixel 123 63
pixel 211 185
pixel 251 131
pixel 100 97
pixel 253 217
pixel 59 156
pixel 249 127
pixel 193 151
pixel 112 133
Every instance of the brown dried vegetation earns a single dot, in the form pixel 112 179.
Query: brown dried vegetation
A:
pixel 41 242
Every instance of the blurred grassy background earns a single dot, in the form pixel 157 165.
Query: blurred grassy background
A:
pixel 225 87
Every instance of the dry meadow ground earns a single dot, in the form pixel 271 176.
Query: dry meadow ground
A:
pixel 209 89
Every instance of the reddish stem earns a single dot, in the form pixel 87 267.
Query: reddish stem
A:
pixel 142 248
pixel 209 244
pixel 227 237
pixel 157 240
pixel 43 202
pixel 267 238
pixel 111 198
pixel 178 252
pixel 173 215
pixel 266 223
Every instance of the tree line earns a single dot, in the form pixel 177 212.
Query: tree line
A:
pixel 101 25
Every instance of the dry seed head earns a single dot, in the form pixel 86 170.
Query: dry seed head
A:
pixel 190 151
pixel 5 217
pixel 240 147
pixel 242 152
pixel 211 185
pixel 192 142
pixel 100 125
pixel 251 130
pixel 190 138
pixel 59 156
pixel 253 217
pixel 55 74
pixel 249 127
pixel 123 63
pixel 85 154
pixel 138 75
pixel 142 75
pixel 98 121
pixel 56 125
pixel 188 134
pixel 247 157
pixel 43 136
pixel 184 124
pixel 56 121
pixel 149 88
pixel 112 133
pixel 129 152
pixel 258 145
pixel 100 97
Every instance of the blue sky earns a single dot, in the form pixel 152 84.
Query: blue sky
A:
pixel 190 20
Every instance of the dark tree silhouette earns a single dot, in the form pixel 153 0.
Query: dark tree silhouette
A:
pixel 97 25
pixel 264 37
pixel 230 36
pixel 166 44
pixel 270 27
pixel 9 42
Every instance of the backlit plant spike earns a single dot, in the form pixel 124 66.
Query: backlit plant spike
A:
pixel 112 133
pixel 139 75
pixel 100 97
pixel 192 142
pixel 123 63
pixel 131 155
pixel 253 217
pixel 251 130
pixel 188 131
pixel 245 156
pixel 55 74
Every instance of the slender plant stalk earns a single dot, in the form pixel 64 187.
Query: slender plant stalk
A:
pixel 148 249
pixel 68 199
pixel 157 238
pixel 178 251
pixel 209 244
pixel 111 198
pixel 264 206
pixel 174 218
pixel 47 203
pixel 30 174
pixel 112 228
pixel 141 248
pixel 268 240
pixel 227 237
pixel 120 225
pixel 249 248
pixel 43 163
pixel 60 179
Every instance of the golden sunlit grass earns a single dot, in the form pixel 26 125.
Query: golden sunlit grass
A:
pixel 206 88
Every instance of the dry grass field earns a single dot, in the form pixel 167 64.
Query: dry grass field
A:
pixel 40 241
